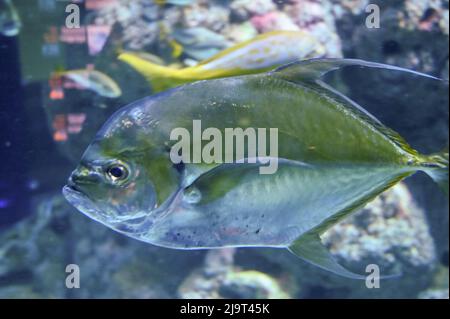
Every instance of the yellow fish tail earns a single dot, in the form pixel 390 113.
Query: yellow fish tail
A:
pixel 160 77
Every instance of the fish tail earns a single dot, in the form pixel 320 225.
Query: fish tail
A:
pixel 436 166
pixel 160 77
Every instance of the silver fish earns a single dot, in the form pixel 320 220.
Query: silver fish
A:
pixel 333 158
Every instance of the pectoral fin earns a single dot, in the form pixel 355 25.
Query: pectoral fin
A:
pixel 309 247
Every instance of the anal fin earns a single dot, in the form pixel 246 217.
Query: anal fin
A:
pixel 309 247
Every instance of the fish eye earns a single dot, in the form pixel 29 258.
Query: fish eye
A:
pixel 117 172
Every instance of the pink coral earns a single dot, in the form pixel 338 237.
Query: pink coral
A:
pixel 273 21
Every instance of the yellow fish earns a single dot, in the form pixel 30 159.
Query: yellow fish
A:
pixel 260 54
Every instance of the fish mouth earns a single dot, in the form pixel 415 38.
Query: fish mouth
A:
pixel 81 201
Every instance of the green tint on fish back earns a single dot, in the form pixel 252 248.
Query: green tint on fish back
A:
pixel 313 127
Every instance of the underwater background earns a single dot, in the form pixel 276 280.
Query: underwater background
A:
pixel 48 116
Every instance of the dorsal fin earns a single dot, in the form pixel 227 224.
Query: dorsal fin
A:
pixel 314 69
pixel 309 73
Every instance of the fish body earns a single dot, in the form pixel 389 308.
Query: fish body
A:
pixel 148 57
pixel 200 43
pixel 273 211
pixel 10 23
pixel 260 54
pixel 333 157
pixel 95 81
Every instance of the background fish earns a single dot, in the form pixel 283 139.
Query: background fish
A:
pixel 10 23
pixel 334 157
pixel 262 53
pixel 148 57
pixel 95 81
pixel 200 43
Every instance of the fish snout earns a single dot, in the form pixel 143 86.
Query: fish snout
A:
pixel 82 176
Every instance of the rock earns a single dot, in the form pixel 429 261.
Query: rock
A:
pixel 208 15
pixel 390 229
pixel 251 284
pixel 220 278
pixel 137 19
pixel 245 9
pixel 434 294
pixel 241 32
pixel 35 253
pixel 439 286
pixel 316 17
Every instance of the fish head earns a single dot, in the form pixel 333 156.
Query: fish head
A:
pixel 104 85
pixel 125 178
pixel 113 190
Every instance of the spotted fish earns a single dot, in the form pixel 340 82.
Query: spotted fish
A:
pixel 260 54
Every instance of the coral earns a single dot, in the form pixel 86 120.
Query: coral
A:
pixel 244 9
pixel 138 21
pixel 273 21
pixel 143 25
